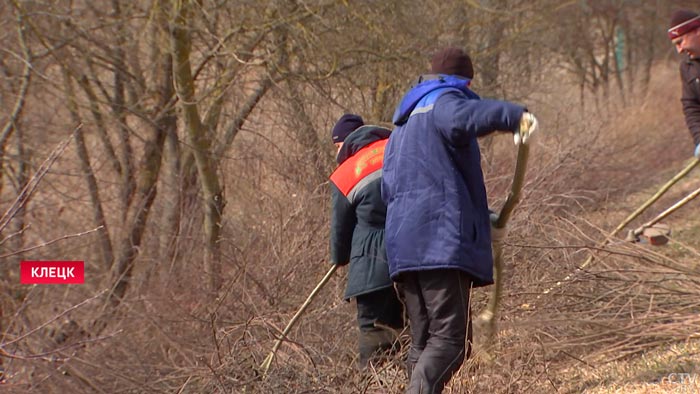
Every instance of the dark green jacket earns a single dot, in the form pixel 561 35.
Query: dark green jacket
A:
pixel 357 221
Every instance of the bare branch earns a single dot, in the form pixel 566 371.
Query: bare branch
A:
pixel 33 183
pixel 53 319
pixel 47 243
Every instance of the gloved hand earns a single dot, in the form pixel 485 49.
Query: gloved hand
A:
pixel 497 234
pixel 528 125
pixel 697 151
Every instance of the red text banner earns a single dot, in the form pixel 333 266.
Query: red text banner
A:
pixel 52 272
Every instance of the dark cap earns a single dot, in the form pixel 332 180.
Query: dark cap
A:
pixel 346 125
pixel 452 61
pixel 682 22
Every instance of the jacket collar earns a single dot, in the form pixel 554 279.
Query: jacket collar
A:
pixel 424 85
pixel 360 138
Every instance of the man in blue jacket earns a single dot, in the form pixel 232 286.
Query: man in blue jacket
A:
pixel 438 231
pixel 357 234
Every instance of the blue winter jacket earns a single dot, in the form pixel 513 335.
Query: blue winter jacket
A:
pixel 437 213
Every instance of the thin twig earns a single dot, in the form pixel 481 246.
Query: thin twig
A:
pixel 45 355
pixel 65 312
pixel 33 183
pixel 47 243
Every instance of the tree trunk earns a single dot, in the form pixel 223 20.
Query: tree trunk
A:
pixel 101 128
pixel 128 182
pixel 199 140
pixel 146 189
pixel 173 206
pixel 98 215
pixel 22 175
pixel 145 195
pixel 16 113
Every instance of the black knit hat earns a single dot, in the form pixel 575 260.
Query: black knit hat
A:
pixel 452 61
pixel 346 125
pixel 683 21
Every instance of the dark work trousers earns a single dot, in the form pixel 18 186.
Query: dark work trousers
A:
pixel 381 306
pixel 374 311
pixel 437 304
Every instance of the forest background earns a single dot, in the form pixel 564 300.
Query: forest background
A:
pixel 182 148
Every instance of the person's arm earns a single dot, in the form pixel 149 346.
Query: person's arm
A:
pixel 690 99
pixel 343 222
pixel 461 119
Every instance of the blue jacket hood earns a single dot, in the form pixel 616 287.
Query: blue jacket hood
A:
pixel 425 85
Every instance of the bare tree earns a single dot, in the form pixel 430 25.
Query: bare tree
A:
pixel 13 126
pixel 98 211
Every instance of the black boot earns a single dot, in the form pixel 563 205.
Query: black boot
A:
pixel 376 344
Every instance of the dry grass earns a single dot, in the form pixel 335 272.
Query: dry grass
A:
pixel 668 369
